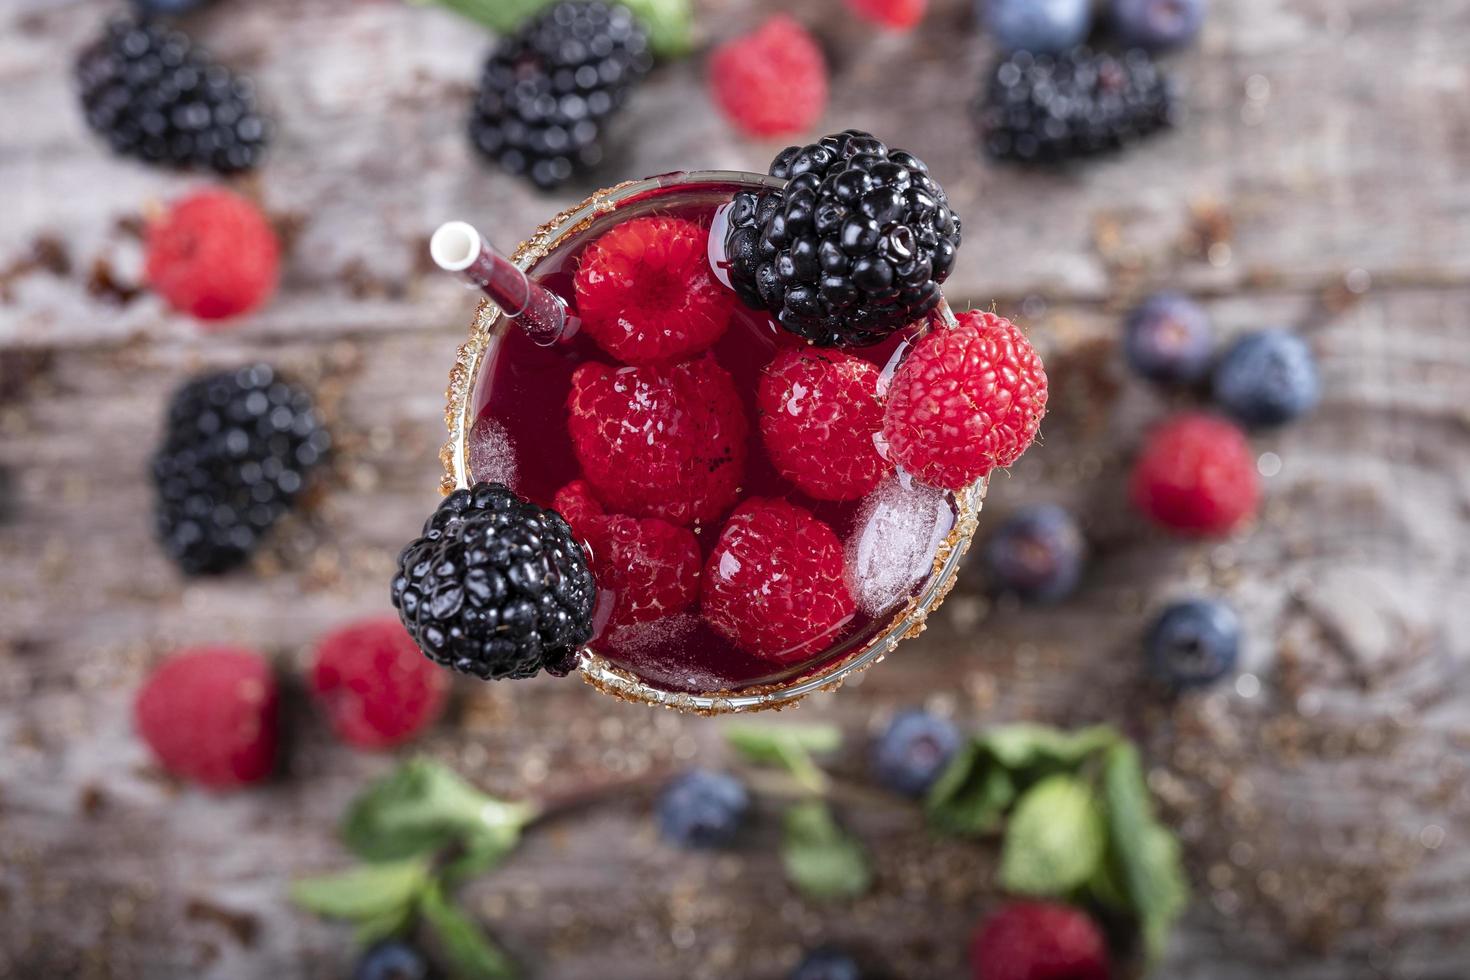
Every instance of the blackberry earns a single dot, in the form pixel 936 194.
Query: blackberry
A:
pixel 235 455
pixel 854 247
pixel 549 90
pixel 153 95
pixel 496 587
pixel 1040 108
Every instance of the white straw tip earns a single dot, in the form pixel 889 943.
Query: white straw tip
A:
pixel 455 246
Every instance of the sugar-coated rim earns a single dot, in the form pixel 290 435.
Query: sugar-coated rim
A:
pixel 595 669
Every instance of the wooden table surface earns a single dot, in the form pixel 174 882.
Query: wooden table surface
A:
pixel 1324 797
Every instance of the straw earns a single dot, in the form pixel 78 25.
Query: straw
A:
pixel 457 247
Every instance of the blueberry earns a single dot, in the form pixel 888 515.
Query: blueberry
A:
pixel 826 963
pixel 391 959
pixel 1267 378
pixel 703 809
pixel 165 8
pixel 1037 554
pixel 1193 643
pixel 1168 338
pixel 1046 26
pixel 913 751
pixel 1157 23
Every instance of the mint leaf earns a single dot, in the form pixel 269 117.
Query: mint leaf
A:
pixel 788 746
pixel 480 852
pixel 767 743
pixel 1025 745
pixel 972 793
pixel 820 858
pixel 1148 857
pixel 670 23
pixel 501 16
pixel 385 926
pixel 422 807
pixel 471 954
pixel 1106 885
pixel 365 893
pixel 1055 839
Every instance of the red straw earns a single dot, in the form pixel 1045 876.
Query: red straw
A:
pixel 457 247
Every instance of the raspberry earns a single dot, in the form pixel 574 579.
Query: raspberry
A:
pixel 213 256
pixel 819 414
pixel 966 401
pixel 645 292
pixel 772 81
pixel 578 507
pixel 210 715
pixel 1196 475
pixel 899 15
pixel 1039 941
pixel 660 441
pixel 775 584
pixel 649 566
pixel 377 689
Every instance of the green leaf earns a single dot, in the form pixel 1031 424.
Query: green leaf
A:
pixel 385 926
pixel 1106 885
pixel 1148 856
pixel 1025 745
pixel 481 852
pixel 501 16
pixel 365 893
pixel 1055 839
pixel 670 23
pixel 788 746
pixel 972 794
pixel 820 858
pixel 422 807
pixel 470 953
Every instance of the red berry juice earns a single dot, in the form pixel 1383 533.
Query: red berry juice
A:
pixel 520 437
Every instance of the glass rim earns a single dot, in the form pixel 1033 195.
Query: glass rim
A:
pixel 595 669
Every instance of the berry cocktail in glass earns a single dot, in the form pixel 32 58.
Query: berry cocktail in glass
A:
pixel 708 382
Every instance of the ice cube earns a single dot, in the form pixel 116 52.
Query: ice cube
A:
pixel 892 549
pixel 492 454
pixel 645 637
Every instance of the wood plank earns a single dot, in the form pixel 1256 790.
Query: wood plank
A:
pixel 1325 805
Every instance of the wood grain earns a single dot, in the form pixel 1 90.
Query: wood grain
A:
pixel 1325 799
